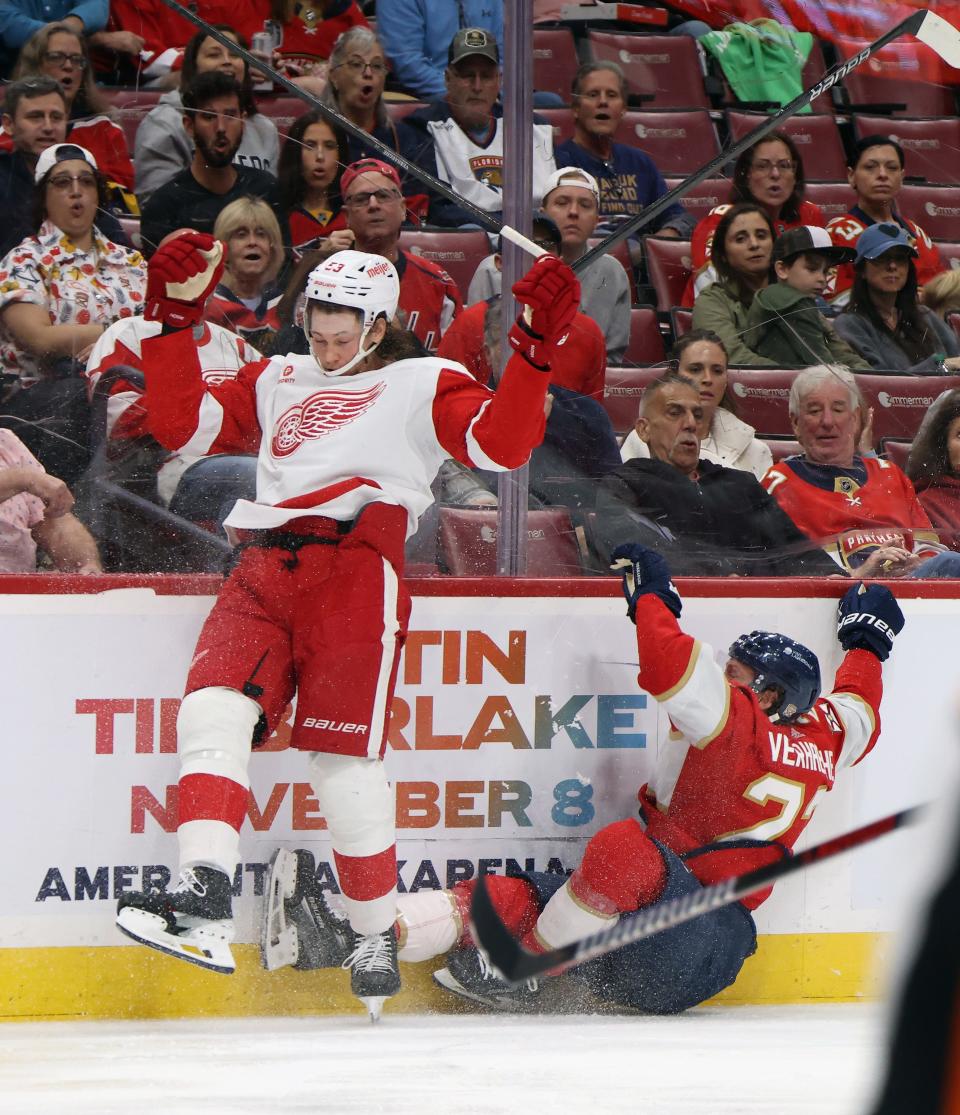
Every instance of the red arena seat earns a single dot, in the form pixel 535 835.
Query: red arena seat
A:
pixel 664 70
pixel 646 341
pixel 129 108
pixel 668 268
pixel 681 321
pixel 561 120
pixel 781 447
pixel 704 196
pixel 936 209
pixel 457 252
pixel 554 60
pixel 623 389
pixel 467 543
pixel 834 198
pixel 814 69
pixel 931 146
pixel 679 142
pixel 817 139
pixel 282 110
pixel 882 80
pixel 897 451
pixel 762 397
pixel 900 402
pixel 950 253
pixel 396 110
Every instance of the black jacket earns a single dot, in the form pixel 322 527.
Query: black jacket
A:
pixel 722 523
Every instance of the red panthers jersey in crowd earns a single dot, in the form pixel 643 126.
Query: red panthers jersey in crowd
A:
pixel 728 772
pixel 429 298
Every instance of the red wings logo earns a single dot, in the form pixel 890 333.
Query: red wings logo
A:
pixel 319 415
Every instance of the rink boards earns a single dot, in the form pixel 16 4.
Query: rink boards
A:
pixel 517 732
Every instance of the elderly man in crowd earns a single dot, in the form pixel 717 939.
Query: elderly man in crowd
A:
pixel 704 518
pixel 876 173
pixel 861 509
pixel 460 139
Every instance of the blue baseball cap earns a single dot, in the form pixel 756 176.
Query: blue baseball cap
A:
pixel 880 238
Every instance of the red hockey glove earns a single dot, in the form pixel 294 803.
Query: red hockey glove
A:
pixel 180 277
pixel 550 294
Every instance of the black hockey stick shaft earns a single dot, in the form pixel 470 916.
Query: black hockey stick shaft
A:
pixel 482 218
pixel 925 25
pixel 516 964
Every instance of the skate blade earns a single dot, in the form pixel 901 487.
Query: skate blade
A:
pixel 279 945
pixel 374 1005
pixel 445 979
pixel 207 946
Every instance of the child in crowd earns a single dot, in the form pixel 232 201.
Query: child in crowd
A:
pixel 784 323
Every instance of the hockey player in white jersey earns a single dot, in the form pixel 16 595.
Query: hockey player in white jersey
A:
pixel 347 445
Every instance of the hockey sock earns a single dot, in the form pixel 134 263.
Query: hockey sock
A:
pixel 428 923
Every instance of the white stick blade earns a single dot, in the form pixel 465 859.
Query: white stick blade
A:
pixel 940 36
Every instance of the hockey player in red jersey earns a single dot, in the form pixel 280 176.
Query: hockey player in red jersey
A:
pixel 348 445
pixel 752 750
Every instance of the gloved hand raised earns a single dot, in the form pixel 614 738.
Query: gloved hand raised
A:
pixel 644 571
pixel 869 618
pixel 181 275
pixel 550 293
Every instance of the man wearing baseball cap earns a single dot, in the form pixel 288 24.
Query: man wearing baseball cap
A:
pixel 571 198
pixel 460 139
pixel 784 323
pixel 375 208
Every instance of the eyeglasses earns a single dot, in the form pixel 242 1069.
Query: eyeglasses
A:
pixel 361 201
pixel 358 66
pixel 764 166
pixel 63 182
pixel 60 58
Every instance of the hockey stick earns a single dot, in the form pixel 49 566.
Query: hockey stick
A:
pixel 928 27
pixel 516 964
pixel 384 152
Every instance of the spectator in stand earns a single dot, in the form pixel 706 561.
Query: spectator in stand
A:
pixel 705 518
pixel 486 281
pixel 861 509
pixel 934 467
pixel 35 512
pixel 585 365
pixel 311 162
pixel 20 20
pixel 876 174
pixel 941 294
pixel 34 118
pixel 59 290
pixel 61 53
pixel 213 119
pixel 628 179
pixel 163 147
pixel 375 208
pixel 884 321
pixel 460 139
pixel 724 438
pixel 770 175
pixel 571 199
pixel 742 248
pixel 415 34
pixel 308 32
pixel 245 300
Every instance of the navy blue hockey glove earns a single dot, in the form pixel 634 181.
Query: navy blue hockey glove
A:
pixel 644 571
pixel 869 618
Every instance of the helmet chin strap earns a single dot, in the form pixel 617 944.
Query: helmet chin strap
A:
pixel 361 354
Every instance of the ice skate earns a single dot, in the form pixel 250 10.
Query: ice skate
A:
pixel 298 927
pixel 194 922
pixel 469 975
pixel 374 974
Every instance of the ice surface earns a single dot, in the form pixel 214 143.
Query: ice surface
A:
pixel 783 1060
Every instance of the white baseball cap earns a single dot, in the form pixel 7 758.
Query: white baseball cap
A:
pixel 572 176
pixel 61 153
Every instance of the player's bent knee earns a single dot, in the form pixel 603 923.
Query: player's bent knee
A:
pixel 357 801
pixel 215 730
pixel 621 869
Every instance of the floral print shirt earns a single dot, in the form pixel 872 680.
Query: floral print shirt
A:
pixel 75 286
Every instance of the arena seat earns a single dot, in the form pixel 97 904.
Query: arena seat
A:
pixel 936 209
pixel 704 196
pixel 458 252
pixel 678 141
pixel 561 120
pixel 467 543
pixel 129 106
pixel 897 451
pixel 646 341
pixel 681 321
pixel 814 68
pixel 396 110
pixel 554 60
pixel 866 85
pixel 623 389
pixel 950 253
pixel 762 396
pixel 668 268
pixel 664 71
pixel 900 402
pixel 953 320
pixel 131 226
pixel 817 139
pixel 931 146
pixel 282 110
pixel 834 198
pixel 781 447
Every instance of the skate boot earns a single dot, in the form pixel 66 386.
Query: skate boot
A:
pixel 298 926
pixel 194 922
pixel 469 975
pixel 374 973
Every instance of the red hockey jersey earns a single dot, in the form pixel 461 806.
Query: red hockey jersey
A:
pixel 429 298
pixel 728 772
